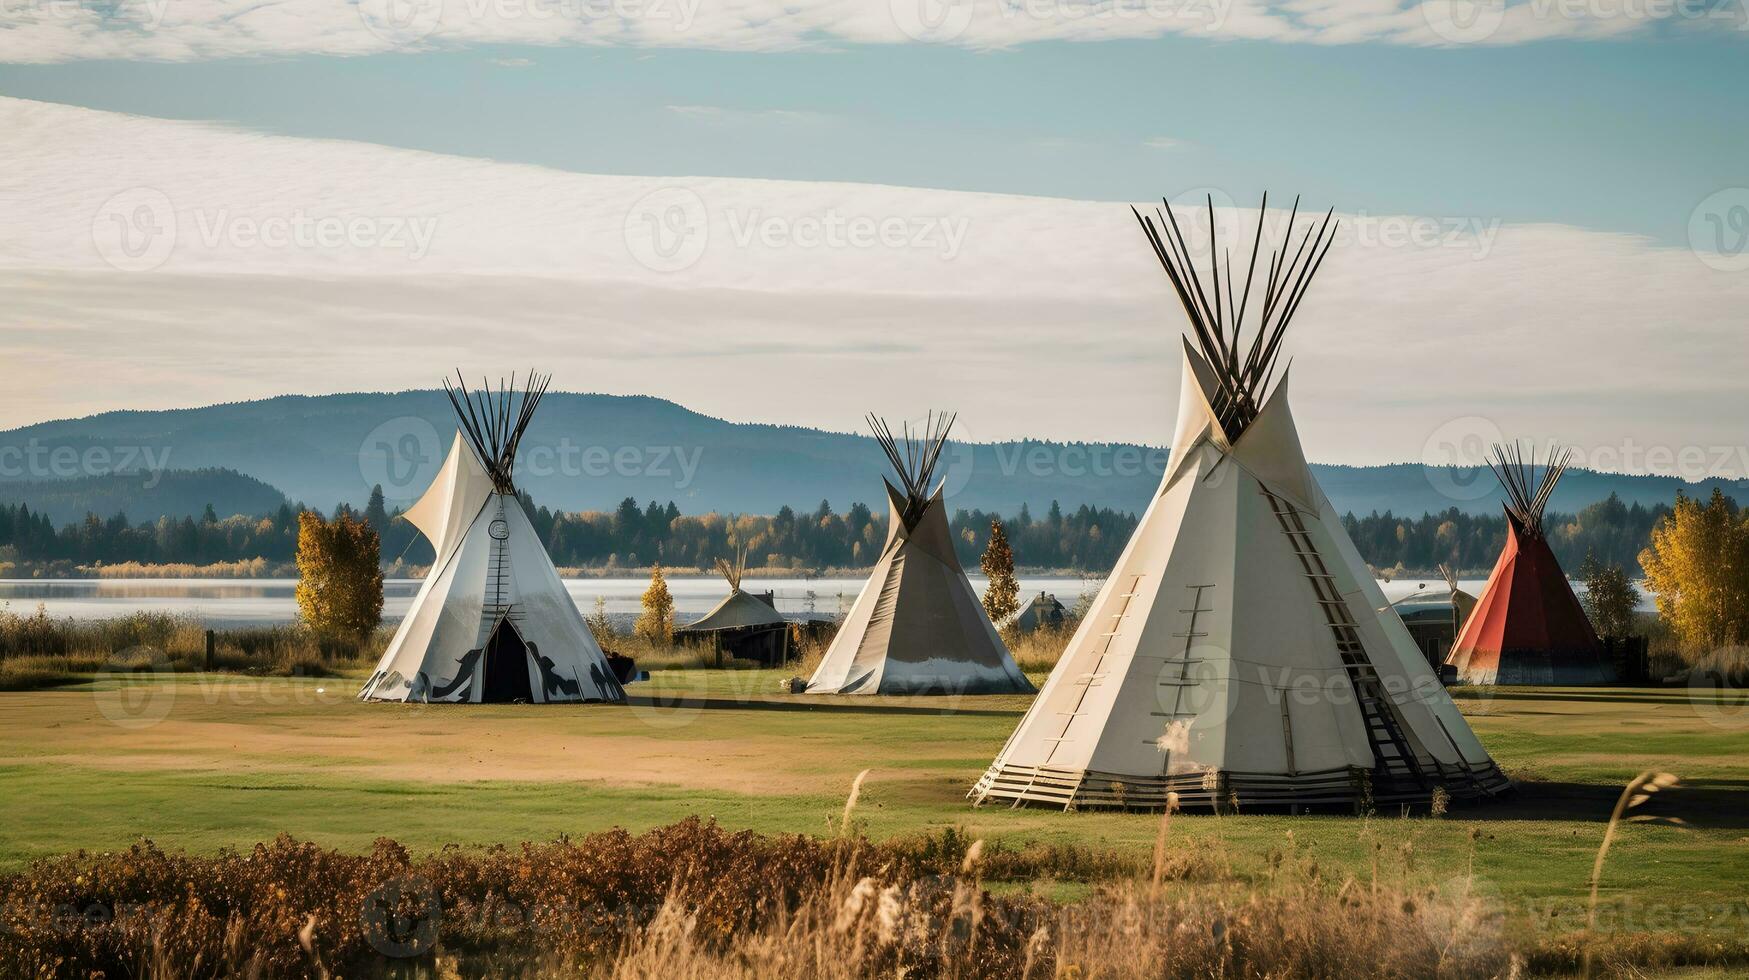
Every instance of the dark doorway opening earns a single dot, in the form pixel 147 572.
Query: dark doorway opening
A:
pixel 506 666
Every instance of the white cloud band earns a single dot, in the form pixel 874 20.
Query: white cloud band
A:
pixel 46 31
pixel 150 263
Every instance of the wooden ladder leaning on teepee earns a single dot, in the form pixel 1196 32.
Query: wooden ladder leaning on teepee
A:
pixel 498 604
pixel 1390 748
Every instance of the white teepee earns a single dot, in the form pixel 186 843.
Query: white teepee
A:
pixel 918 626
pixel 1240 648
pixel 493 622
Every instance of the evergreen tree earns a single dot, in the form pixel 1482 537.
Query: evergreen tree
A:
pixel 376 514
pixel 1002 598
pixel 600 626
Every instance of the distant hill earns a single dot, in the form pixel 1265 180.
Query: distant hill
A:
pixel 590 451
pixel 145 496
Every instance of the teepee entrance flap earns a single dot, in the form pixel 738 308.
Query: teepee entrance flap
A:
pixel 506 666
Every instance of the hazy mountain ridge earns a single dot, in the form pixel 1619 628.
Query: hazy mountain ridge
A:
pixel 588 451
pixel 145 496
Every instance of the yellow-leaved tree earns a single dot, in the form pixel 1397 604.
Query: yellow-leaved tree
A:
pixel 1698 567
pixel 340 576
pixel 656 625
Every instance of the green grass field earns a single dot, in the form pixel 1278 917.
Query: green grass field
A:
pixel 209 761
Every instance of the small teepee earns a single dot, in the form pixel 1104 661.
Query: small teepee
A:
pixel 1528 627
pixel 493 622
pixel 917 627
pixel 1240 650
pixel 743 625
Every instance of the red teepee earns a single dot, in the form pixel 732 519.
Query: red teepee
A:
pixel 1528 626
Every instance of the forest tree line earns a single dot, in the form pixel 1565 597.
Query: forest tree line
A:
pixel 633 536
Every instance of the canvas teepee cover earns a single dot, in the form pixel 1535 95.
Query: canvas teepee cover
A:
pixel 917 627
pixel 492 622
pixel 1239 648
pixel 743 625
pixel 1528 627
pixel 739 610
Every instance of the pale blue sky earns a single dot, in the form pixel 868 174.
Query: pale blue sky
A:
pixel 1620 135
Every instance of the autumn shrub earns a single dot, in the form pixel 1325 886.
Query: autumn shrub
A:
pixel 693 900
pixel 39 651
pixel 1037 651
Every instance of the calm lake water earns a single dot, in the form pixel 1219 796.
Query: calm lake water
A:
pixel 251 602
pixel 247 602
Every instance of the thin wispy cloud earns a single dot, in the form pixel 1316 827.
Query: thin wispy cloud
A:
pixel 726 115
pixel 190 30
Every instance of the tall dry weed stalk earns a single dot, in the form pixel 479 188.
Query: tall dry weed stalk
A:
pixel 850 803
pixel 1639 790
pixel 1160 840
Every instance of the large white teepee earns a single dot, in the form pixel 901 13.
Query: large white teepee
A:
pixel 917 627
pixel 493 622
pixel 1240 648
